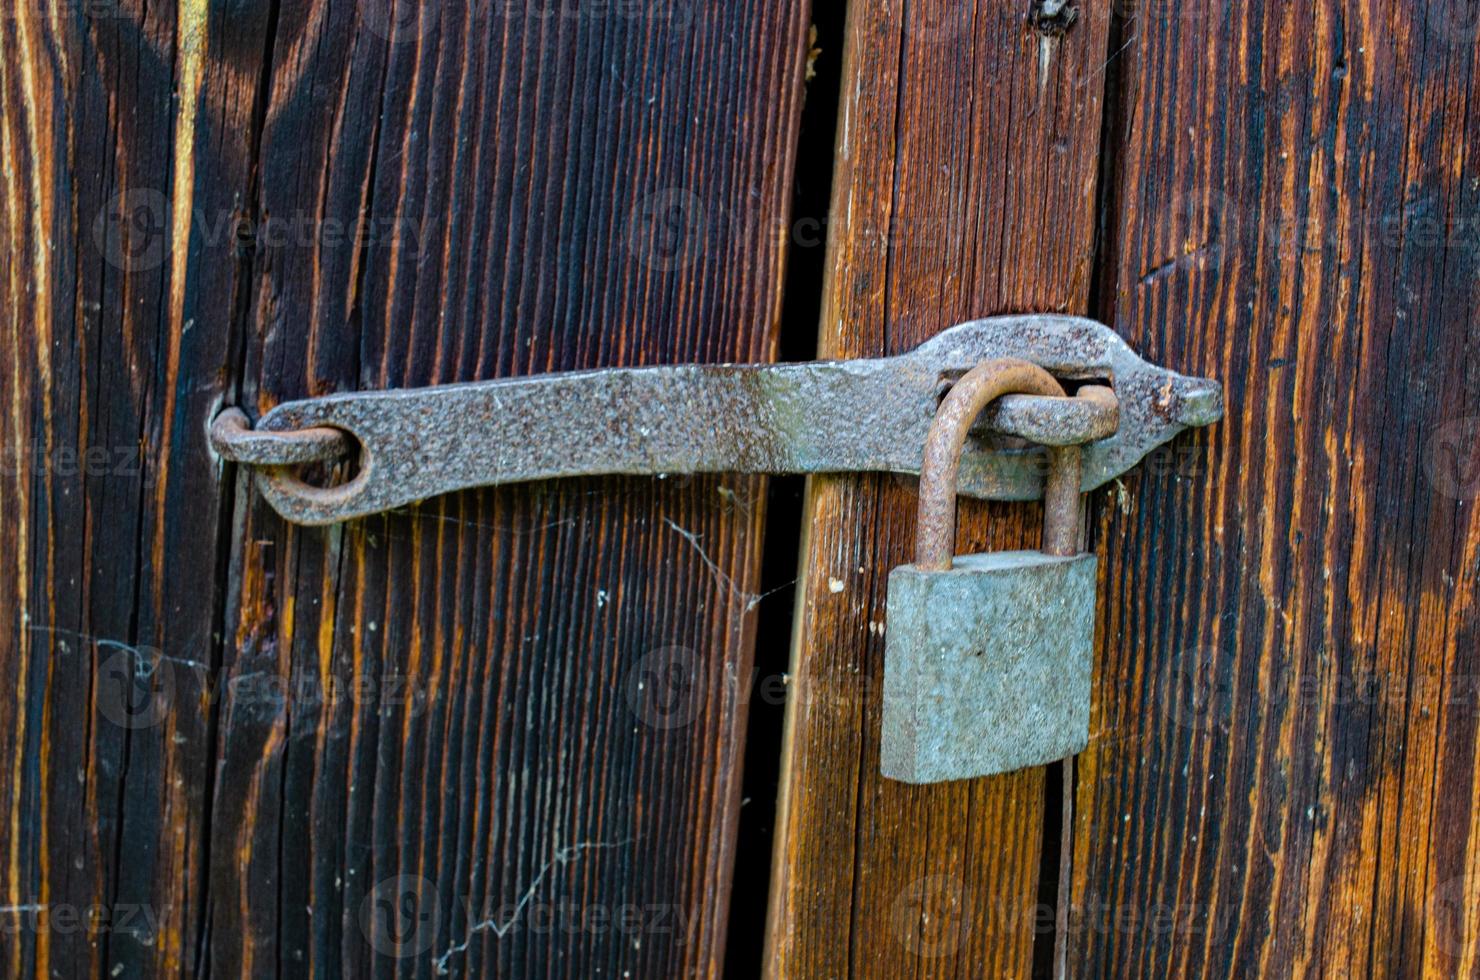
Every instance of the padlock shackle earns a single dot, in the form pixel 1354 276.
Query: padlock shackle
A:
pixel 1061 500
pixel 935 536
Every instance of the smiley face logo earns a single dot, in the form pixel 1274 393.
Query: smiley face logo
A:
pixel 400 916
pixel 1451 458
pixel 136 686
pixel 928 917
pixel 132 231
pixel 667 688
pixel 668 230
pixel 399 21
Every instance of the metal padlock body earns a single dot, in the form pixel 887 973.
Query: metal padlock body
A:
pixel 987 665
pixel 987 657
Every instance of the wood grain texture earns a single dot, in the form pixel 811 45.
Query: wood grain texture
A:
pixel 1281 779
pixel 117 311
pixel 510 737
pixel 967 155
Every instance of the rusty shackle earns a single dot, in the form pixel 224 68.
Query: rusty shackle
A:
pixel 935 536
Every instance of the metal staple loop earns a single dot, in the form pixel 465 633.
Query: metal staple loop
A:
pixel 936 532
pixel 233 437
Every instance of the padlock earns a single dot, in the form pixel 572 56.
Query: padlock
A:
pixel 987 657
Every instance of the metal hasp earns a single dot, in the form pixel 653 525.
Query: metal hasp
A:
pixel 987 658
pixel 825 416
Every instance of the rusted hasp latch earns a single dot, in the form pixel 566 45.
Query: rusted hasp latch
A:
pixel 825 416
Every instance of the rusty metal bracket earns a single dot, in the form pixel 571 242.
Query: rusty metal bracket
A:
pixel 824 416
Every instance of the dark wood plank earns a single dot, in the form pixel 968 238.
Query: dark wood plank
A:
pixel 126 144
pixel 967 155
pixel 1282 775
pixel 531 766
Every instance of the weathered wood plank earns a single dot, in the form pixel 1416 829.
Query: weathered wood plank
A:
pixel 117 303
pixel 532 763
pixel 967 154
pixel 1282 773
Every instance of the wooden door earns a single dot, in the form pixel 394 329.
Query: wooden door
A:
pixel 531 731
pixel 381 747
pixel 1281 776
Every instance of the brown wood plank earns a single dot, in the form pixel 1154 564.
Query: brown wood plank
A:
pixel 967 154
pixel 521 705
pixel 1282 773
pixel 126 148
